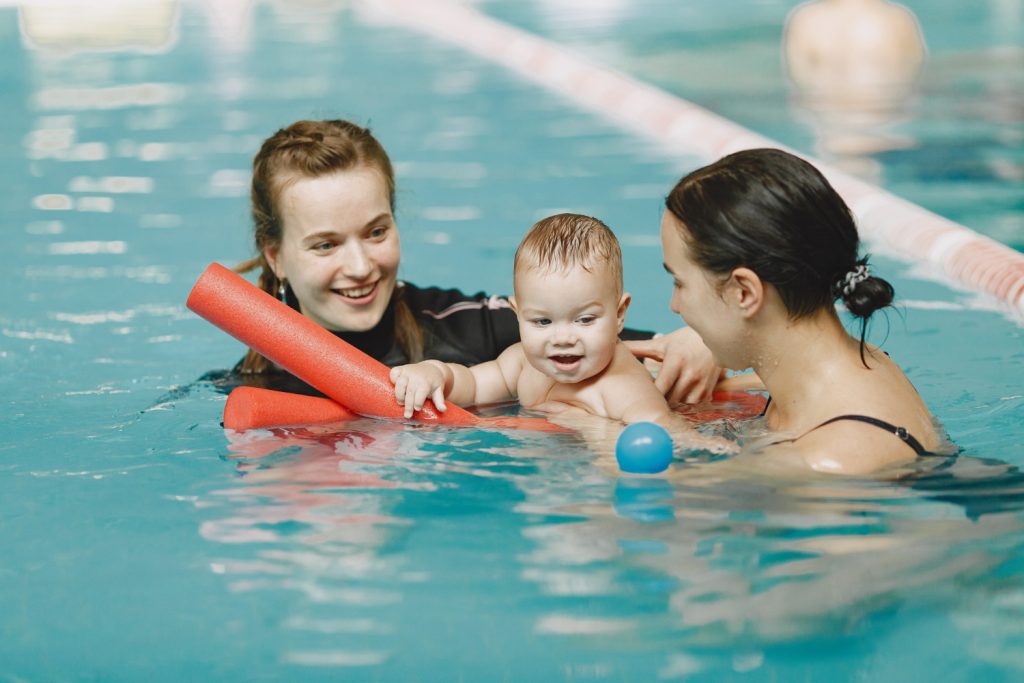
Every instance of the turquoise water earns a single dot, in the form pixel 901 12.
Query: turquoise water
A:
pixel 142 541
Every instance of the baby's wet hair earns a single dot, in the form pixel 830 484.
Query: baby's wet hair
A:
pixel 570 240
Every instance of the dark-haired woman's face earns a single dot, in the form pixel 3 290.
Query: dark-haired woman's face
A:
pixel 695 297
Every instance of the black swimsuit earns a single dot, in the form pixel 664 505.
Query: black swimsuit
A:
pixel 900 432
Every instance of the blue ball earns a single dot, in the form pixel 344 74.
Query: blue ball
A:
pixel 644 448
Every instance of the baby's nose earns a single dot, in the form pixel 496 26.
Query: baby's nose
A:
pixel 565 334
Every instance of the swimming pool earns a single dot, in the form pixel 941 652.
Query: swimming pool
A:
pixel 142 541
pixel 956 145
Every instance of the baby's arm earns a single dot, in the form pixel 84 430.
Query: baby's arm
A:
pixel 646 409
pixel 628 392
pixel 483 383
pixel 636 399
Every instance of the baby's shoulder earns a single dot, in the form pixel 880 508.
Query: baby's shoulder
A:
pixel 628 387
pixel 625 366
pixel 629 384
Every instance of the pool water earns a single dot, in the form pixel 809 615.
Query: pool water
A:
pixel 954 145
pixel 141 540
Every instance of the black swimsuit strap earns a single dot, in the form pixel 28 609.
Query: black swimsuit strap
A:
pixel 902 433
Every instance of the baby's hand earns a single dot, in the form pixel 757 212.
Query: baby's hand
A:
pixel 415 383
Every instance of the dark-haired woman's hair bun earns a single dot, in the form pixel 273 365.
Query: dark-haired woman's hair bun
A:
pixel 861 292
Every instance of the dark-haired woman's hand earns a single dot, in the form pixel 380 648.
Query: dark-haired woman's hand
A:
pixel 687 372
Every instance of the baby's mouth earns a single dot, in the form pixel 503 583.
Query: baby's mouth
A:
pixel 565 361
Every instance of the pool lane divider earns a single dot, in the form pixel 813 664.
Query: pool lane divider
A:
pixel 356 384
pixel 902 228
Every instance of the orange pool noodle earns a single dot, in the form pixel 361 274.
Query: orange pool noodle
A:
pixel 727 405
pixel 303 348
pixel 251 408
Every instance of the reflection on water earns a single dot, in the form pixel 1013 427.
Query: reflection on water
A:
pixel 714 564
pixel 369 517
pixel 290 485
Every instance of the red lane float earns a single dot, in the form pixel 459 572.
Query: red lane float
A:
pixel 303 348
pixel 251 408
pixel 255 408
pixel 726 405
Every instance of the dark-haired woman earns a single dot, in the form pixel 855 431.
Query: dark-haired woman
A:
pixel 323 196
pixel 760 247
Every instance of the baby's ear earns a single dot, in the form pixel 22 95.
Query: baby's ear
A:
pixel 513 304
pixel 620 314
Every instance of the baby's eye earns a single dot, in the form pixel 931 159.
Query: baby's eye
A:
pixel 586 319
pixel 541 322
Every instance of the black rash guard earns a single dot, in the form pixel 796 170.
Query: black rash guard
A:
pixel 457 328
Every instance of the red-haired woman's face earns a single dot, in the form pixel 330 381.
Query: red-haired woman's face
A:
pixel 339 249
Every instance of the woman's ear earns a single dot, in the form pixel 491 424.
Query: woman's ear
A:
pixel 620 313
pixel 270 254
pixel 746 290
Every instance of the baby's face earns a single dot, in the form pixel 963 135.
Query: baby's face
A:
pixel 569 321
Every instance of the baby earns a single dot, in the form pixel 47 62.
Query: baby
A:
pixel 571 309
